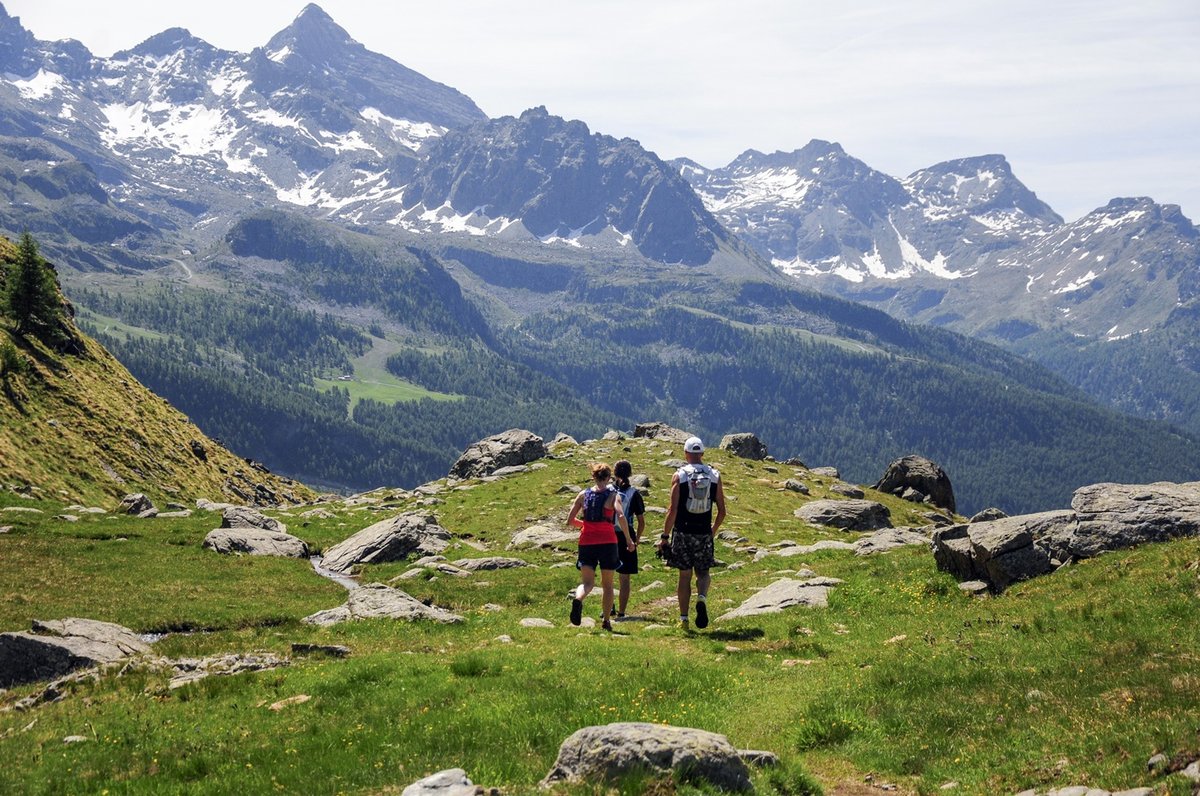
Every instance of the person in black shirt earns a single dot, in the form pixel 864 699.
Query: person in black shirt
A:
pixel 634 506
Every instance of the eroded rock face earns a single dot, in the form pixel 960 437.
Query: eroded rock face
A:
pixel 376 601
pixel 850 515
pixel 53 649
pixel 745 445
pixel 255 542
pixel 389 540
pixel 919 474
pixel 1102 517
pixel 611 751
pixel 513 447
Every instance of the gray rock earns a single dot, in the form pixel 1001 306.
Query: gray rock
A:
pixel 758 758
pixel 889 539
pixel 987 515
pixel 207 505
pixel 661 431
pixel 674 464
pixel 543 535
pixel 376 601
pixel 331 650
pixel 922 475
pixel 851 515
pixel 392 539
pixel 513 447
pixel 913 495
pixel 246 517
pixel 1192 772
pixel 54 648
pixel 175 515
pixel 451 782
pixel 826 472
pixel 255 542
pixel 789 550
pixel 504 472
pixel 318 514
pixel 785 593
pixel 135 504
pixel 609 752
pixel 187 671
pixel 744 445
pixel 639 481
pixel 492 562
pixel 66 518
pixel 792 485
pixel 563 439
pixel 849 490
pixel 534 621
pixel 21 510
pixel 974 587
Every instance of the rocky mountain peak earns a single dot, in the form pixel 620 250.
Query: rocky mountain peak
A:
pixel 168 42
pixel 15 41
pixel 313 35
pixel 978 185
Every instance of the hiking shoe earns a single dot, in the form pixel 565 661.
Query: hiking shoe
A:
pixel 607 625
pixel 701 614
pixel 683 624
pixel 619 618
pixel 576 611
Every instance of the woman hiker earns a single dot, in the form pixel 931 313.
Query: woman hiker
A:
pixel 633 506
pixel 600 505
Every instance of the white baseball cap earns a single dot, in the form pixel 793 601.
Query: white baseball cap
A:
pixel 693 445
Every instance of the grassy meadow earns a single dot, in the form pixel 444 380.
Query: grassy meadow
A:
pixel 1072 679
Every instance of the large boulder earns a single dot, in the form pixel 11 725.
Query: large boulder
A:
pixel 544 535
pixel 513 447
pixel 451 782
pixel 661 431
pixel 389 540
pixel 57 647
pixel 1102 517
pixel 888 539
pixel 922 475
pixel 246 517
pixel 744 445
pixel 850 515
pixel 138 505
pixel 255 542
pixel 785 593
pixel 609 752
pixel 376 601
pixel 489 563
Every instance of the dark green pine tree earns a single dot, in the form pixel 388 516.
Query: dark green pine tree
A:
pixel 31 298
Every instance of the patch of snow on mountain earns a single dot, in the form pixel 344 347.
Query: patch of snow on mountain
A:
pixel 779 186
pixel 274 118
pixel 279 56
pixel 40 86
pixel 1107 222
pixel 232 83
pixel 407 133
pixel 1078 284
pixel 915 262
pixel 351 141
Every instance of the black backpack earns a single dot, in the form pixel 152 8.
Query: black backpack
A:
pixel 593 504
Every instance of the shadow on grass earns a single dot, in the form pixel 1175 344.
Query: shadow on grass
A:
pixel 741 634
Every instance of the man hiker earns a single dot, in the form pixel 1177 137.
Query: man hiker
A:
pixel 690 528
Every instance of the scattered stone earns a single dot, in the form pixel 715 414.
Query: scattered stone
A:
pixel 937 518
pixel 72 739
pixel 921 474
pixel 492 607
pixel 792 485
pixel 543 535
pixel 246 517
pixel 136 504
pixel 1192 772
pixel 1103 517
pixel 612 435
pixel 889 539
pixel 851 515
pixel 744 445
pixel 849 490
pixel 513 447
pixel 175 515
pixel 758 758
pixel 21 510
pixel 826 472
pixel 207 505
pixel 332 650
pixel 791 549
pixel 515 469
pixel 193 670
pixel 987 515
pixel 658 584
pixel 609 752
pixel 451 782
pixel 377 601
pixel 569 489
pixel 318 514
pixel 639 481
pixel 389 540
pixel 299 699
pixel 563 439
pixel 5 528
pixel 661 431
pixel 913 495
pixel 490 563
pixel 785 593
pixel 255 542
pixel 505 639
pixel 67 518
pixel 531 621
pixel 674 464
pixel 976 588
pixel 55 648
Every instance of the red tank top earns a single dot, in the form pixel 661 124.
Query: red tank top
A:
pixel 601 532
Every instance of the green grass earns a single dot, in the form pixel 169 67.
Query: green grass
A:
pixel 373 381
pixel 1074 678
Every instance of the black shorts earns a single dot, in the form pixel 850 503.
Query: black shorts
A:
pixel 598 556
pixel 629 561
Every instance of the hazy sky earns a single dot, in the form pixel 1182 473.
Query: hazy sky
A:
pixel 1088 100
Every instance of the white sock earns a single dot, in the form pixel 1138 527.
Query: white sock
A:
pixel 700 598
pixel 579 592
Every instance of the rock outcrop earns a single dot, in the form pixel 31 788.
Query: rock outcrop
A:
pixel 246 517
pixel 389 540
pixel 376 601
pixel 661 431
pixel 1102 517
pixel 543 535
pixel 451 782
pixel 608 752
pixel 744 445
pixel 785 593
pixel 922 475
pixel 255 542
pixel 850 515
pixel 513 447
pixel 53 649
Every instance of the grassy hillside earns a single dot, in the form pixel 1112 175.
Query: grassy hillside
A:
pixel 1075 678
pixel 81 428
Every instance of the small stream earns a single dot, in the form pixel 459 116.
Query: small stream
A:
pixel 342 580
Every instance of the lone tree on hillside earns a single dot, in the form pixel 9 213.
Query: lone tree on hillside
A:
pixel 31 296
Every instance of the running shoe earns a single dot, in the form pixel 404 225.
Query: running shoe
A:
pixel 576 611
pixel 701 614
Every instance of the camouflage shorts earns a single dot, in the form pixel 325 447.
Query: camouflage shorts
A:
pixel 691 551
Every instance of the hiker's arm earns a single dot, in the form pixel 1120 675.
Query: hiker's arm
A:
pixel 669 522
pixel 578 504
pixel 720 518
